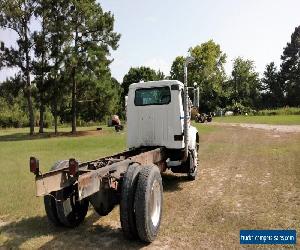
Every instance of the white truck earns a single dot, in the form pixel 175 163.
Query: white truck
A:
pixel 160 137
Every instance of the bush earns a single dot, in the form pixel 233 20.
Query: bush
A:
pixel 12 115
pixel 239 109
pixel 280 111
pixel 48 119
pixel 81 123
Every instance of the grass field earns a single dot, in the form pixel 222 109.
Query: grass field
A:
pixel 16 146
pixel 249 179
pixel 270 119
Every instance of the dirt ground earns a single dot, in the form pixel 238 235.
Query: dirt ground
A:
pixel 275 128
pixel 249 179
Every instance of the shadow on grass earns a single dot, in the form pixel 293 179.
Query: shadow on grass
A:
pixel 171 182
pixel 87 235
pixel 26 136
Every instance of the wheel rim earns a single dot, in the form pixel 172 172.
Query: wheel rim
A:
pixel 155 203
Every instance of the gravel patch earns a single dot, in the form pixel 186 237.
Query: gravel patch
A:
pixel 275 128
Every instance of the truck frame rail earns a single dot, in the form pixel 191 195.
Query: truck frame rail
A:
pixel 105 172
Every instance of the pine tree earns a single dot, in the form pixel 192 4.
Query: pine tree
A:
pixel 244 84
pixel 290 69
pixel 92 38
pixel 16 15
pixel 57 40
pixel 272 89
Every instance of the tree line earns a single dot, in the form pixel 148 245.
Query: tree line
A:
pixel 243 90
pixel 62 54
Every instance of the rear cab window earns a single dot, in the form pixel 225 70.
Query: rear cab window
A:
pixel 152 96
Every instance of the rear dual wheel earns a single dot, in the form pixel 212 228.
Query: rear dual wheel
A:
pixel 50 208
pixel 193 165
pixel 193 162
pixel 140 206
pixel 141 202
pixel 64 209
pixel 70 211
pixel 127 210
pixel 148 203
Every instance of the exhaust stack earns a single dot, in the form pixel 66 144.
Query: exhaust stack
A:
pixel 188 60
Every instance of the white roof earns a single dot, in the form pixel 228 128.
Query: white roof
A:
pixel 152 84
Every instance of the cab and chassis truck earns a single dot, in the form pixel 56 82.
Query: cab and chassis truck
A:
pixel 159 137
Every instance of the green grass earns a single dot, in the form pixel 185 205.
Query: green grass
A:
pixel 17 183
pixel 204 128
pixel 272 119
pixel 280 111
pixel 17 188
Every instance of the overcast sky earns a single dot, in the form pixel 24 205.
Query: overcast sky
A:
pixel 155 32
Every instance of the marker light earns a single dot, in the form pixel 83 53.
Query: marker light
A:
pixel 73 166
pixel 34 165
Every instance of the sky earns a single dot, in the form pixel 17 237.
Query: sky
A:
pixel 154 32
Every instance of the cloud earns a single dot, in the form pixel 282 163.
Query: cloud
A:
pixel 158 64
pixel 151 19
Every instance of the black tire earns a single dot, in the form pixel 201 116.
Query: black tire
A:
pixel 49 200
pixel 103 202
pixel 70 211
pixel 56 203
pixel 193 165
pixel 202 118
pixel 127 213
pixel 148 203
pixel 192 175
pixel 50 208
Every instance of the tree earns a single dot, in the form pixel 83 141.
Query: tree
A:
pixel 244 83
pixel 176 72
pixel 290 69
pixel 98 97
pixel 13 112
pixel 10 88
pixel 57 41
pixel 41 64
pixel 272 89
pixel 160 75
pixel 207 71
pixel 140 74
pixel 17 15
pixel 92 38
pixel 68 53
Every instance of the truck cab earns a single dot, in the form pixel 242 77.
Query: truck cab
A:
pixel 155 115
